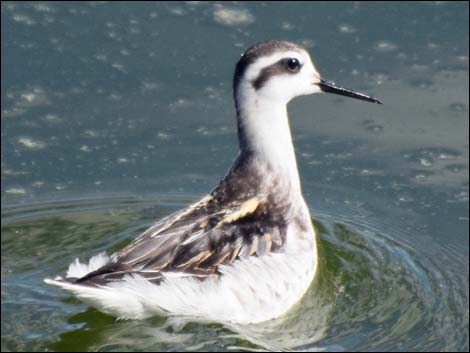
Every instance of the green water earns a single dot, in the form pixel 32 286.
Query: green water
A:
pixel 114 115
pixel 371 291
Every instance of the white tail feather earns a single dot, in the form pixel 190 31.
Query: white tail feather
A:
pixel 78 270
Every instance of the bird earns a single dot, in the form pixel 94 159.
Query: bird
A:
pixel 247 251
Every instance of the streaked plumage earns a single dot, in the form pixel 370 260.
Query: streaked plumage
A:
pixel 244 253
pixel 239 218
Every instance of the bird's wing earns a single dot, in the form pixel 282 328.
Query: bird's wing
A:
pixel 196 240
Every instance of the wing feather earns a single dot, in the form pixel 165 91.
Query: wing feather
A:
pixel 197 240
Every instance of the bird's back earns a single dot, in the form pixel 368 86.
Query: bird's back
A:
pixel 242 217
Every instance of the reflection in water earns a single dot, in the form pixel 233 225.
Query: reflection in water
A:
pixel 371 292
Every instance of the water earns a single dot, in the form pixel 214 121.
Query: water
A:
pixel 116 115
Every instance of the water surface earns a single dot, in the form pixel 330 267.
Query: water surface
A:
pixel 114 115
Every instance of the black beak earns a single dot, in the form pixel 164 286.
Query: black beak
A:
pixel 330 87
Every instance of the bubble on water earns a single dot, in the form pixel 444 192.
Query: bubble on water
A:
pixel 15 191
pixel 24 100
pixel 27 45
pixel 340 156
pixel 115 97
pixel 370 172
pixel 435 158
pixel 6 171
pixel 307 43
pixel 122 160
pixel 85 148
pixel 380 78
pixel 30 143
pixel 12 112
pixel 177 11
pixel 194 3
pixel 355 72
pixel 287 26
pixel 113 35
pixel 164 135
pixel 23 19
pixel 346 28
pixel 232 17
pixel 421 178
pixel 180 103
pixel 385 46
pixel 462 59
pixel 147 86
pixel 446 155
pixel 33 97
pixel 402 56
pixel 204 131
pixel 8 6
pixel 52 118
pixel 426 162
pixel 120 67
pixel 405 198
pixel 212 92
pixel 42 7
pixel 461 196
pixel 373 127
pixel 101 57
pixel 458 107
pixel 90 133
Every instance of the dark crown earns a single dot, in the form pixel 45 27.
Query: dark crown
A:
pixel 257 51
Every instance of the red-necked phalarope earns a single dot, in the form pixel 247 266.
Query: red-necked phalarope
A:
pixel 246 252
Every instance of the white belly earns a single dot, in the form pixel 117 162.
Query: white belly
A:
pixel 250 290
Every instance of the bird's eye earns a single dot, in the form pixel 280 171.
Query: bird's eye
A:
pixel 293 65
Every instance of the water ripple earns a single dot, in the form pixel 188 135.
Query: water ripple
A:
pixel 373 290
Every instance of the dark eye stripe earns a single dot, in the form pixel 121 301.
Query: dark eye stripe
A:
pixel 257 51
pixel 278 68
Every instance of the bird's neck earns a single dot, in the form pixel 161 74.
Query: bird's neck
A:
pixel 263 132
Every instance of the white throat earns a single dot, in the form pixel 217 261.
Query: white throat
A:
pixel 263 130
